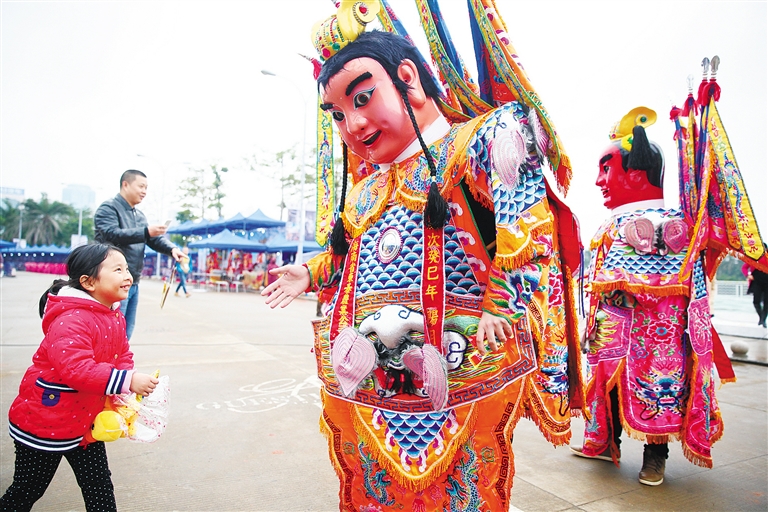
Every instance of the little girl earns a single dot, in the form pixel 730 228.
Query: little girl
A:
pixel 83 357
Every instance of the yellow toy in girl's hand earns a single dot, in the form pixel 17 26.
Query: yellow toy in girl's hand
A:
pixel 133 416
pixel 114 422
pixel 110 424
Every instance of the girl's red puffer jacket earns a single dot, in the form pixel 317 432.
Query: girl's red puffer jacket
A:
pixel 83 357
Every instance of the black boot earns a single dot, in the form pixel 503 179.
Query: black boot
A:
pixel 654 463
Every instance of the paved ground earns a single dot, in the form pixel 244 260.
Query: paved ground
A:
pixel 244 435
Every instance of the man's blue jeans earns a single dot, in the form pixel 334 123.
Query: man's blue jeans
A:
pixel 182 282
pixel 128 307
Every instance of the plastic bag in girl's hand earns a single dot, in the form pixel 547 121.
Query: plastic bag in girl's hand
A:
pixel 152 412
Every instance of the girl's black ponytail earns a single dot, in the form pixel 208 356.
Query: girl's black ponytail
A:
pixel 57 285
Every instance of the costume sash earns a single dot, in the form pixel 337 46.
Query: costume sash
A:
pixel 433 286
pixel 344 311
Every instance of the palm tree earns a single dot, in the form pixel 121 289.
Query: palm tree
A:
pixel 9 219
pixel 44 220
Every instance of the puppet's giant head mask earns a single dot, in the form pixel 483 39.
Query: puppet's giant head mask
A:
pixel 375 84
pixel 631 168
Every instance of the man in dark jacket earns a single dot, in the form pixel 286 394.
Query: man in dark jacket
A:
pixel 117 221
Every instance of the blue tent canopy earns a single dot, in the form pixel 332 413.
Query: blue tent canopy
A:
pixel 228 240
pixel 258 220
pixel 254 221
pixel 280 244
pixel 181 228
pixel 5 244
pixel 203 227
pixel 41 249
pixel 237 222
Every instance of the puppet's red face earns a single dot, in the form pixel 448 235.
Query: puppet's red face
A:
pixel 368 111
pixel 612 179
pixel 621 187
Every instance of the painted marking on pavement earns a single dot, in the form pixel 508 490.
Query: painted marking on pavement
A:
pixel 271 395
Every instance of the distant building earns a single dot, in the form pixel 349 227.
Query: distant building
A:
pixel 15 195
pixel 79 196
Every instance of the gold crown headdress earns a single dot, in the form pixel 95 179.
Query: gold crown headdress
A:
pixel 342 28
pixel 622 131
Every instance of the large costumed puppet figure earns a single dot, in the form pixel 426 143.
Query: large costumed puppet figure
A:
pixel 453 314
pixel 651 347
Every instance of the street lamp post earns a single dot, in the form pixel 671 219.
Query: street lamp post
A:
pixel 21 216
pixel 162 204
pixel 302 213
pixel 164 168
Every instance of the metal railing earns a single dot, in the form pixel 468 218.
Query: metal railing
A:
pixel 731 288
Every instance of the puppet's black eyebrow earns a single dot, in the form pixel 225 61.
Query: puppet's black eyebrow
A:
pixel 353 83
pixel 605 159
pixel 326 106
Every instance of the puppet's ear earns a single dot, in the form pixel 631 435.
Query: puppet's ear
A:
pixel 409 73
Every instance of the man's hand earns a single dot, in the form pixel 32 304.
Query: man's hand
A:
pixel 177 254
pixel 156 230
pixel 293 281
pixel 143 384
pixel 491 327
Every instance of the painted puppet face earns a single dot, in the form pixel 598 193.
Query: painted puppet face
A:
pixel 621 187
pixel 369 111
pixel 611 179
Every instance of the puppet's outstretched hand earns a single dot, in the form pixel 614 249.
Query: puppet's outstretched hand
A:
pixel 492 328
pixel 293 281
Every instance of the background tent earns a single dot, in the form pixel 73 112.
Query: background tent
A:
pixel 258 220
pixel 228 240
pixel 202 228
pixel 235 223
pixel 280 244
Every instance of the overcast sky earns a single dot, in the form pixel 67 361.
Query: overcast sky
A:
pixel 86 86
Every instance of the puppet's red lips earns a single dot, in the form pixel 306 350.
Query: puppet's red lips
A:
pixel 373 138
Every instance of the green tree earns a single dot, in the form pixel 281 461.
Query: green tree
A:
pixel 185 215
pixel 216 193
pixel 9 219
pixel 284 169
pixel 197 194
pixel 71 225
pixel 730 269
pixel 44 220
